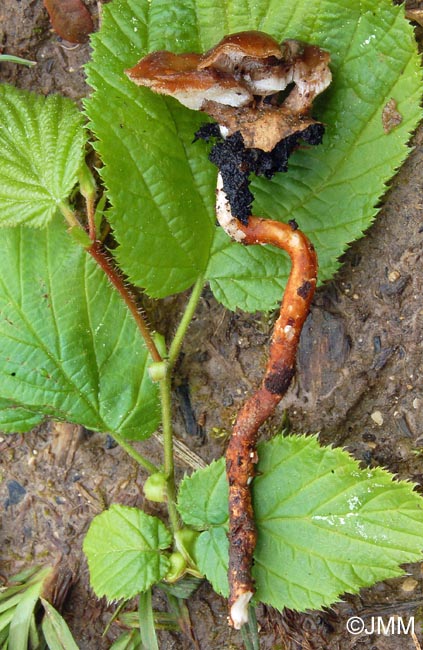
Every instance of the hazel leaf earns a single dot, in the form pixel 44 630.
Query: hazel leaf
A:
pixel 17 419
pixel 69 349
pixel 317 514
pixel 162 184
pixel 42 143
pixel 124 552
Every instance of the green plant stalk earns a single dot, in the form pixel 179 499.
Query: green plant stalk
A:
pixel 246 638
pixel 141 460
pixel 69 215
pixel 88 189
pixel 16 59
pixel 169 466
pixel 146 621
pixel 166 401
pixel 96 251
pixel 175 346
pixel 253 627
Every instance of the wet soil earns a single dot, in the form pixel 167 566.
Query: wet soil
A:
pixel 359 383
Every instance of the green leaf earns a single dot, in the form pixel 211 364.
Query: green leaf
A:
pixel 203 496
pixel 69 349
pixel 14 418
pixel 55 629
pixel 162 185
pixel 5 619
pixel 123 547
pixel 211 552
pixel 128 641
pixel 146 621
pixel 21 622
pixel 42 143
pixel 325 526
pixel 182 589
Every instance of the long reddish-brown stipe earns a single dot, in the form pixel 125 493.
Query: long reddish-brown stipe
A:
pixel 241 455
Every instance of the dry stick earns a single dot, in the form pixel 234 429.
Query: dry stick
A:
pixel 241 455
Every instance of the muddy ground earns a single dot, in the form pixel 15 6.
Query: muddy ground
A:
pixel 359 383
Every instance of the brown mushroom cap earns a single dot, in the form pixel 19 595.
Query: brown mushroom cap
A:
pixel 242 67
pixel 254 44
pixel 157 67
pixel 178 75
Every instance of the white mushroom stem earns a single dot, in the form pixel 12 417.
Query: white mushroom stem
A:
pixel 239 610
pixel 224 214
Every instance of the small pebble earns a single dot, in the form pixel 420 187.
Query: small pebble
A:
pixel 16 493
pixel 394 276
pixel 409 584
pixel 377 417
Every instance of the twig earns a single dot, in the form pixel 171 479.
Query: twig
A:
pixel 416 641
pixel 241 455
pixel 183 453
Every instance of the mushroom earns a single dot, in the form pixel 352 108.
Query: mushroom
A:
pixel 179 76
pixel 254 57
pixel 230 83
pixel 234 74
pixel 248 56
pixel 310 74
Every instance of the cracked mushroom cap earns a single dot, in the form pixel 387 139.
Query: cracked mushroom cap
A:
pixel 232 49
pixel 310 72
pixel 179 76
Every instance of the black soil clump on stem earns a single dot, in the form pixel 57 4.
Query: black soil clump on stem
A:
pixel 236 162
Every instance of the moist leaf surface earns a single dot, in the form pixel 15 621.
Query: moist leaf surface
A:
pixel 42 146
pixel 162 185
pixel 317 514
pixel 123 547
pixel 68 347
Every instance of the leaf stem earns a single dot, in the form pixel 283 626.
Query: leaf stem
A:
pixel 169 466
pixel 141 460
pixel 246 638
pixel 166 401
pixel 97 252
pixel 146 621
pixel 17 59
pixel 69 215
pixel 90 203
pixel 176 344
pixel 253 627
